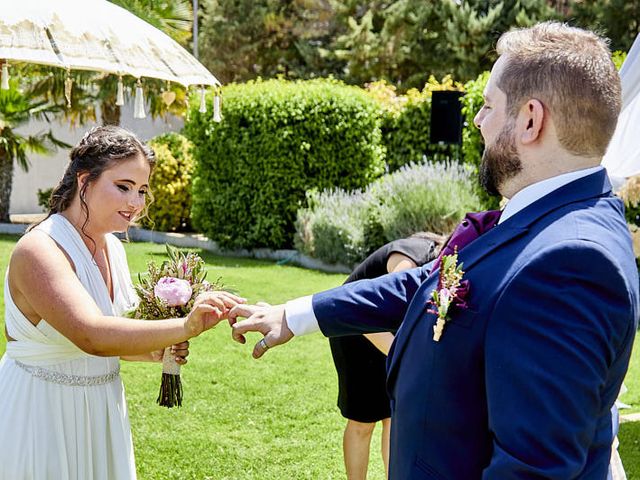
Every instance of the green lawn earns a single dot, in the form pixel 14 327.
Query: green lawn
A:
pixel 245 419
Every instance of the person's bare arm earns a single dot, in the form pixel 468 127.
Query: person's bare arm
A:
pixel 43 277
pixel 398 262
pixel 382 340
pixel 179 351
pixel 395 263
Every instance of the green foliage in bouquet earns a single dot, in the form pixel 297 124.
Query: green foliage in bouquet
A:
pixel 169 291
pixel 171 184
pixel 184 266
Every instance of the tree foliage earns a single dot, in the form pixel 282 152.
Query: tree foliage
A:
pixel 617 19
pixel 278 140
pixel 173 17
pixel 244 39
pixel 17 108
pixel 402 41
pixel 412 39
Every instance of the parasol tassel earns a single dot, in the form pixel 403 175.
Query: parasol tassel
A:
pixel 120 93
pixel 5 76
pixel 68 86
pixel 138 109
pixel 203 101
pixel 216 108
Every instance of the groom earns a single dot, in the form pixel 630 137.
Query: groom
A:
pixel 520 383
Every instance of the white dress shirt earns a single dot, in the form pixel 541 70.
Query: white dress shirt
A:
pixel 299 312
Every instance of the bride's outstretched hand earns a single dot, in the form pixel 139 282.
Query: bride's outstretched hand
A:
pixel 269 320
pixel 209 309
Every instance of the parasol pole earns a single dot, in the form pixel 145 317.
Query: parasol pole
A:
pixel 195 29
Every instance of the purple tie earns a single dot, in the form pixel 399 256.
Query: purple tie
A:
pixel 473 225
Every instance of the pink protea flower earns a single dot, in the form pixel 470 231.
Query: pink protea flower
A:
pixel 175 291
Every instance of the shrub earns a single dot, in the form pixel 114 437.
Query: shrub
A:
pixel 472 143
pixel 406 123
pixel 170 184
pixel 431 197
pixel 330 228
pixel 345 227
pixel 630 195
pixel 277 140
pixel 618 58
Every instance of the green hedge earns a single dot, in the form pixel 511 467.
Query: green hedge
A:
pixel 406 123
pixel 342 227
pixel 472 143
pixel 278 139
pixel 170 184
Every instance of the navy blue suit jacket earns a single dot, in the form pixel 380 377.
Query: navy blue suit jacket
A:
pixel 521 384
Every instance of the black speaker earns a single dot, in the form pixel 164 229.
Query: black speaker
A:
pixel 446 117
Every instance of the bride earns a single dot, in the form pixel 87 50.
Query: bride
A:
pixel 62 408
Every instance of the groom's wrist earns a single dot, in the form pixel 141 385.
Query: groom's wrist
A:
pixel 300 317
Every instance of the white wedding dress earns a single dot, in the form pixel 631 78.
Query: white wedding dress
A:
pixel 63 413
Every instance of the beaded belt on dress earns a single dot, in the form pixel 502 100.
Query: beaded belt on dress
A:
pixel 66 379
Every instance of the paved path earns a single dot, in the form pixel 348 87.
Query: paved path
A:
pixel 630 417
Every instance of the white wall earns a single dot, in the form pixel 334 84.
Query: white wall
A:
pixel 46 171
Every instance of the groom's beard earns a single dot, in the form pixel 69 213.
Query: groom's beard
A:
pixel 500 161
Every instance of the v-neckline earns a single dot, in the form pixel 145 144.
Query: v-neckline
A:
pixel 111 295
pixel 108 282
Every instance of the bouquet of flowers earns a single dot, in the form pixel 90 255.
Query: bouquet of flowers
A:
pixel 169 291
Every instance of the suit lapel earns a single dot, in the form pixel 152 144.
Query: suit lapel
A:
pixel 469 256
pixel 591 186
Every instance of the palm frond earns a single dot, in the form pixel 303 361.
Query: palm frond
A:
pixel 172 17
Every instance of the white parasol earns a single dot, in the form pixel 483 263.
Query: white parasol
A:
pixel 622 159
pixel 94 35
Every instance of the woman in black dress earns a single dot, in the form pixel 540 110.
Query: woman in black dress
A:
pixel 361 362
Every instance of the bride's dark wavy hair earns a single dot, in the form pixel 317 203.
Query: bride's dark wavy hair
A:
pixel 97 151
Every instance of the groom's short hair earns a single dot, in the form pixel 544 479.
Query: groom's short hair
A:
pixel 571 72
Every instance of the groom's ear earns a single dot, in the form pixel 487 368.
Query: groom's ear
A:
pixel 531 119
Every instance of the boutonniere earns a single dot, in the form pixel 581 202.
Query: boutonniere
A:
pixel 451 292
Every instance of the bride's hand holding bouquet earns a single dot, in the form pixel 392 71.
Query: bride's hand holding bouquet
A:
pixel 178 289
pixel 208 310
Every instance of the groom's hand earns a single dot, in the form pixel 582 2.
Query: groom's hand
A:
pixel 269 321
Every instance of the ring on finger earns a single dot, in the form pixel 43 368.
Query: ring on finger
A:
pixel 263 344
